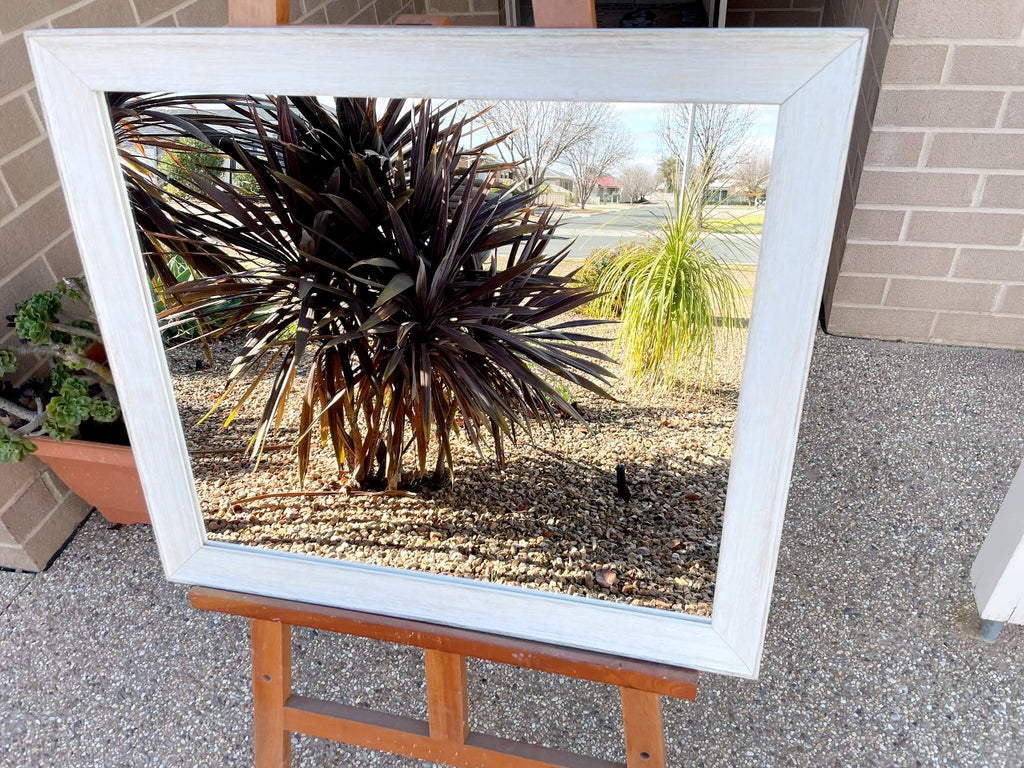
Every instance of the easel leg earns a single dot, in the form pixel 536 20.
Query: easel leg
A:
pixel 645 738
pixel 271 687
pixel 447 697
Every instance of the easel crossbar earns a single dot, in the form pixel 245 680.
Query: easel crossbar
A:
pixel 410 737
pixel 445 737
pixel 677 682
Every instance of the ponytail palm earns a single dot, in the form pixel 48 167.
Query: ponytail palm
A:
pixel 670 292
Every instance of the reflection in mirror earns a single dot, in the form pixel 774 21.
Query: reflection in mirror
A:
pixel 493 341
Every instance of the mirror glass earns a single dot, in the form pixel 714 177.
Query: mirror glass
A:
pixel 496 341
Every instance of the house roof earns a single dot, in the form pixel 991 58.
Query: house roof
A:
pixel 608 181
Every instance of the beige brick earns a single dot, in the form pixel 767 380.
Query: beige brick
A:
pixel 52 535
pixel 18 286
pixel 15 71
pixel 1014 117
pixel 894 148
pixel 952 18
pixel 17 477
pixel 17 14
pixel 894 259
pixel 988 65
pixel 911 188
pixel 99 13
pixel 63 257
pixel 875 225
pixel 17 125
pixel 787 18
pixel 150 9
pixel 341 11
pixel 914 293
pixel 30 172
pixel 32 229
pixel 15 557
pixel 6 204
pixel 28 510
pixel 387 10
pixel 914 64
pixel 937 108
pixel 985 330
pixel 880 323
pixel 859 290
pixel 990 264
pixel 966 227
pixel 485 6
pixel 203 13
pixel 977 150
pixel 1012 302
pixel 1003 192
pixel 448 6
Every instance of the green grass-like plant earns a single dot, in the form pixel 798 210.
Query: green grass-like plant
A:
pixel 670 294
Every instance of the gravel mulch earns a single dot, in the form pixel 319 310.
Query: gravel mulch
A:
pixel 551 520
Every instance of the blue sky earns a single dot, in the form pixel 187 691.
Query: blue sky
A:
pixel 641 120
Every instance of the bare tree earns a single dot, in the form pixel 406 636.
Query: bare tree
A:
pixel 752 175
pixel 538 133
pixel 637 181
pixel 591 158
pixel 721 135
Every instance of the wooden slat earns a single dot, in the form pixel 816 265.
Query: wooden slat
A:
pixel 271 687
pixel 258 13
pixel 564 14
pixel 447 696
pixel 677 682
pixel 641 720
pixel 410 737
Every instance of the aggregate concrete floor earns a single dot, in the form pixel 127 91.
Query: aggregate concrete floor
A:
pixel 872 655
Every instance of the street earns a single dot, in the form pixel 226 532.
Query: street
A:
pixel 600 228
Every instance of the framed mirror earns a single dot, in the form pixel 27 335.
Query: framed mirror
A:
pixel 532 537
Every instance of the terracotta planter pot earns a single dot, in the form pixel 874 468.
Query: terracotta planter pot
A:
pixel 102 474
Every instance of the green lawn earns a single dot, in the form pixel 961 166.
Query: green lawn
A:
pixel 744 224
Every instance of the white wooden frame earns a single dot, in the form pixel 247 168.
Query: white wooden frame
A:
pixel 813 75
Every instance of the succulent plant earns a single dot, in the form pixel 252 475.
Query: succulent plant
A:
pixel 76 388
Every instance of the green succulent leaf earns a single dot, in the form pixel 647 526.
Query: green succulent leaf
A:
pixel 8 362
pixel 103 411
pixel 14 447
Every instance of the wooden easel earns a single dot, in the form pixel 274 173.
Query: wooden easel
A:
pixel 445 736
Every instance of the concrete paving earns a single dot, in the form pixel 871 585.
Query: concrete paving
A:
pixel 872 658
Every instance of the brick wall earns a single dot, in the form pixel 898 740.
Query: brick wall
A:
pixel 483 13
pixel 36 245
pixel 936 243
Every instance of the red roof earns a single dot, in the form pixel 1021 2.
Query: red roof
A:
pixel 608 181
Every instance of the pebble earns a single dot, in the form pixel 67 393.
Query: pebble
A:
pixel 566 531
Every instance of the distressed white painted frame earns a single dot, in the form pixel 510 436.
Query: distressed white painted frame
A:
pixel 813 75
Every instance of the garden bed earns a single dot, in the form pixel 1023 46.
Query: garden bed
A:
pixel 551 520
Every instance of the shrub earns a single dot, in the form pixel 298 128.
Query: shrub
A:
pixel 669 292
pixel 376 241
pixel 191 158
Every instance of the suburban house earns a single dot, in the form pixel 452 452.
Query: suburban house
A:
pixel 607 190
pixel 929 244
